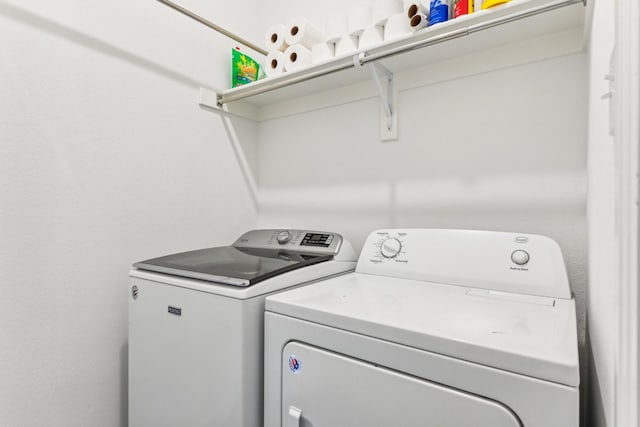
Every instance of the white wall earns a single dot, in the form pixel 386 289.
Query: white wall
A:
pixel 503 150
pixel 105 159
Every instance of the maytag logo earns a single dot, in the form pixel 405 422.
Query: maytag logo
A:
pixel 175 310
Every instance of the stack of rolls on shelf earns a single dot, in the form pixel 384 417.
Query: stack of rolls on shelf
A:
pixel 300 43
pixel 291 46
pixel 276 46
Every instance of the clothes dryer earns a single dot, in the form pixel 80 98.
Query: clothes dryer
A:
pixel 196 324
pixel 447 328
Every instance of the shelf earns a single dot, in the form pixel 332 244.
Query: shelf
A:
pixel 517 21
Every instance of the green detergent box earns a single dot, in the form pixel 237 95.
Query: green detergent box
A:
pixel 243 68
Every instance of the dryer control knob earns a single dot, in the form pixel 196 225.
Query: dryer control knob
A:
pixel 283 237
pixel 520 257
pixel 390 248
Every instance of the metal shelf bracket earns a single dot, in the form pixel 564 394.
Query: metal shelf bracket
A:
pixel 388 94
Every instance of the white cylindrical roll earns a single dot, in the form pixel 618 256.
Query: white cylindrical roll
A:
pixel 346 45
pixel 370 37
pixel 359 19
pixel 322 52
pixel 415 7
pixel 337 27
pixel 383 9
pixel 296 56
pixel 274 38
pixel 397 26
pixel 419 21
pixel 275 63
pixel 301 31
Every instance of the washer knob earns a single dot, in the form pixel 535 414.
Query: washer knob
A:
pixel 390 248
pixel 283 237
pixel 520 257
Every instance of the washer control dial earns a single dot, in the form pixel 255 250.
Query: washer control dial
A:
pixel 283 237
pixel 520 257
pixel 390 248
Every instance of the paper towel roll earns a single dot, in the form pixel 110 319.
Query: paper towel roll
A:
pixel 371 36
pixel 296 56
pixel 337 27
pixel 274 38
pixel 359 19
pixel 346 45
pixel 322 52
pixel 383 9
pixel 419 21
pixel 397 26
pixel 417 6
pixel 274 64
pixel 301 31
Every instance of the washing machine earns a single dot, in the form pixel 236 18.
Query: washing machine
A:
pixel 444 328
pixel 196 324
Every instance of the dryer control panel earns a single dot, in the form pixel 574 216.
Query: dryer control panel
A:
pixel 305 241
pixel 520 263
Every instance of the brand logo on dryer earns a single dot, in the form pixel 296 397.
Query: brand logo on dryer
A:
pixel 294 364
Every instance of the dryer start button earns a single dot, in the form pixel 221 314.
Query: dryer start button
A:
pixel 520 257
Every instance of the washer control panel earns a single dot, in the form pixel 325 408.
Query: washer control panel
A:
pixel 520 263
pixel 305 241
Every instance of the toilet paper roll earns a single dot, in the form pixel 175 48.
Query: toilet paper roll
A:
pixel 383 9
pixel 359 19
pixel 346 45
pixel 301 31
pixel 337 27
pixel 274 38
pixel 406 4
pixel 419 21
pixel 275 63
pixel 322 52
pixel 296 57
pixel 370 37
pixel 417 6
pixel 396 27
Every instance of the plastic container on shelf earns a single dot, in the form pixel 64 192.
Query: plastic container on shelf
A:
pixel 438 11
pixel 486 4
pixel 461 7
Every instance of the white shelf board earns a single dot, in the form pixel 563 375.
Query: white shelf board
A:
pixel 516 21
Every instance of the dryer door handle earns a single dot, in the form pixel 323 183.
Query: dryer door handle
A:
pixel 295 415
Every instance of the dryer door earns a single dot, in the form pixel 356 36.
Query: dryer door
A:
pixel 325 389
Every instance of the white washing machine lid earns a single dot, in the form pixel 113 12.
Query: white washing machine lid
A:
pixel 255 256
pixel 528 335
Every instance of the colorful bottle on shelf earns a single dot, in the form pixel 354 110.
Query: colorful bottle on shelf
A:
pixel 438 11
pixel 462 7
pixel 486 4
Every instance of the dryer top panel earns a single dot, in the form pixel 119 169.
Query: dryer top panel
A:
pixel 519 263
pixel 532 336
